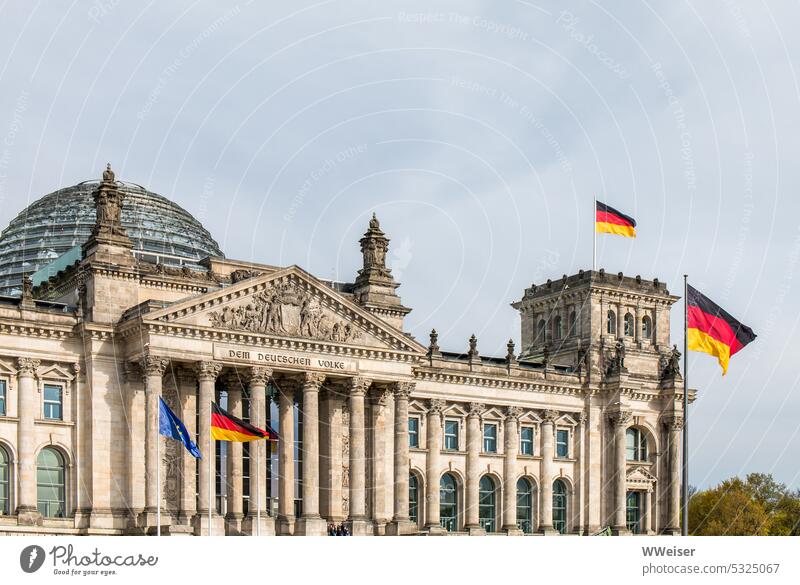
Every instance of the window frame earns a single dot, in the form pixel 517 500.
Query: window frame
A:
pixel 413 503
pixel 638 451
pixel 3 397
pixel 567 443
pixel 611 322
pixel 647 328
pixel 484 446
pixel 46 402
pixel 488 523
pixel 455 435
pixel 62 486
pixel 633 514
pixel 523 441
pixel 449 523
pixel 5 503
pixel 559 522
pixel 413 435
pixel 558 332
pixel 525 522
pixel 629 325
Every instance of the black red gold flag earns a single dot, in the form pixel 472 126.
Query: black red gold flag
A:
pixel 610 221
pixel 226 427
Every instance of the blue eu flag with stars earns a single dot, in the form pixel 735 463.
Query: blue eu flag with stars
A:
pixel 171 426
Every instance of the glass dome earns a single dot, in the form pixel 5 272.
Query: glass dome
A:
pixel 161 231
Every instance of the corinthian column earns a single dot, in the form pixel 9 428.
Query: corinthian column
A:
pixel 235 461
pixel 432 468
pixel 510 448
pixel 27 512
pixel 359 525
pixel 207 373
pixel 620 420
pixel 401 523
pixel 286 481
pixel 153 368
pixel 674 424
pixel 474 435
pixel 259 451
pixel 311 523
pixel 546 523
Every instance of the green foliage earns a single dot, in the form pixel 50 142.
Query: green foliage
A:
pixel 757 506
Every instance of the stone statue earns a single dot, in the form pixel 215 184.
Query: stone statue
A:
pixel 108 200
pixel 619 354
pixel 108 174
pixel 672 364
pixel 546 355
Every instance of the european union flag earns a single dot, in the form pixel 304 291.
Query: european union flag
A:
pixel 171 426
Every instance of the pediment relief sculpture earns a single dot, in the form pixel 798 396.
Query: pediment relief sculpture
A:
pixel 285 309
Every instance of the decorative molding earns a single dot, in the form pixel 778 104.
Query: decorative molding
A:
pixel 513 413
pixel 259 375
pixel 208 371
pixel 476 409
pixel 621 418
pixel 27 366
pixel 359 385
pixel 549 416
pixel 154 365
pixel 436 406
pixel 402 390
pixel 312 381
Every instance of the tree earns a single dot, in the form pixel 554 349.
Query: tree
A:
pixel 729 509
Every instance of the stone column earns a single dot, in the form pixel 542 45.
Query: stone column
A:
pixel 286 477
pixel 187 394
pixel 474 436
pixel 620 321
pixel 333 463
pixel 235 460
pixel 379 472
pixel 28 399
pixel 311 523
pixel 401 523
pixel 154 368
pixel 674 424
pixel 359 524
pixel 510 448
pixel 259 452
pixel 646 514
pixel 620 420
pixel 594 465
pixel 546 506
pixel 433 442
pixel 207 373
pixel 134 389
pixel 637 323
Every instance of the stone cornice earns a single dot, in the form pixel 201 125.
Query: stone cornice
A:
pixel 32 329
pixel 467 379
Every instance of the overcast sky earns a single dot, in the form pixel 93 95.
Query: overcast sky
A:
pixel 478 131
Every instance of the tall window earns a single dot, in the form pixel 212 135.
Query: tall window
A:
pixel 451 435
pixel 557 328
pixel 413 432
pixel 2 397
pixel 524 505
pixel 562 443
pixel 52 402
pixel 526 441
pixel 635 445
pixel 490 438
pixel 629 325
pixel 633 514
pixel 573 321
pixel 448 502
pixel 487 501
pixel 611 323
pixel 647 327
pixel 413 498
pixel 50 483
pixel 540 331
pixel 5 482
pixel 560 506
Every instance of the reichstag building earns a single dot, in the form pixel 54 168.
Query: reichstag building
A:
pixel 113 296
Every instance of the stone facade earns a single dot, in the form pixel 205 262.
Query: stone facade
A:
pixel 393 436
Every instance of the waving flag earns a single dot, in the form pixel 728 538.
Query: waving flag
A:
pixel 610 221
pixel 171 426
pixel 226 427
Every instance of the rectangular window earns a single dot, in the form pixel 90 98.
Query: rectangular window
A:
pixel 413 432
pixel 2 397
pixel 490 438
pixel 52 402
pixel 451 435
pixel 562 444
pixel 526 441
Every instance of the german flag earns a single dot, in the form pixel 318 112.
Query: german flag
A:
pixel 610 221
pixel 712 330
pixel 226 427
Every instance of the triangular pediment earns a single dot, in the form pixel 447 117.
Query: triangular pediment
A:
pixel 639 477
pixel 288 303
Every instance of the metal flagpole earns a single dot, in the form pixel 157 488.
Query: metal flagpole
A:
pixel 158 471
pixel 211 457
pixel 594 235
pixel 685 466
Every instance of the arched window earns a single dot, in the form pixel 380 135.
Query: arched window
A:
pixel 611 323
pixel 560 506
pixel 557 328
pixel 540 331
pixel 635 445
pixel 573 320
pixel 448 502
pixel 524 505
pixel 413 498
pixel 487 501
pixel 647 327
pixel 629 325
pixel 50 483
pixel 5 482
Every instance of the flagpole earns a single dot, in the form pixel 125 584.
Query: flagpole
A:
pixel 158 472
pixel 594 234
pixel 211 457
pixel 685 466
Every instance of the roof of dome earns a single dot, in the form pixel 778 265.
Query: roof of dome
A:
pixel 161 231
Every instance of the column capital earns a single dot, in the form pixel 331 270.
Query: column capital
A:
pixel 476 409
pixel 621 418
pixel 259 375
pixel 359 385
pixel 154 365
pixel 673 422
pixel 403 390
pixel 436 406
pixel 549 416
pixel 312 381
pixel 513 413
pixel 208 371
pixel 27 366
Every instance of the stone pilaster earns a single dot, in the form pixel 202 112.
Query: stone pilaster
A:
pixel 620 421
pixel 546 505
pixel 433 466
pixel 311 523
pixel 358 521
pixel 27 512
pixel 258 377
pixel 474 436
pixel 135 404
pixel 510 448
pixel 674 425
pixel 206 373
pixel 401 523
